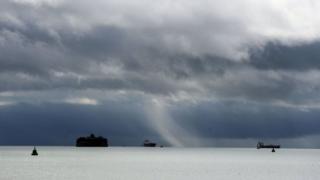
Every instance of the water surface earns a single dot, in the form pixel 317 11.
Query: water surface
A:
pixel 125 163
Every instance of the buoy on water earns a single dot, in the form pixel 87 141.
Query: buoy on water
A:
pixel 273 150
pixel 34 152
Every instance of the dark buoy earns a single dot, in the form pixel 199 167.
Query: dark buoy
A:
pixel 273 150
pixel 34 152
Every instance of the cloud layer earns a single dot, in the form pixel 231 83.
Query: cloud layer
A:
pixel 165 55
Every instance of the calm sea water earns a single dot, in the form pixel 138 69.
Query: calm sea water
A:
pixel 70 163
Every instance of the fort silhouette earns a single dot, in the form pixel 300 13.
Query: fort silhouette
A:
pixel 92 141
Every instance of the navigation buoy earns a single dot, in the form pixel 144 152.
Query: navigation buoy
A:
pixel 273 150
pixel 34 152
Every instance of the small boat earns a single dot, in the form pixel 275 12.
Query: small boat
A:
pixel 34 152
pixel 148 143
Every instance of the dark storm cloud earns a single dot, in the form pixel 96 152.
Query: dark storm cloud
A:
pixel 193 52
pixel 281 57
pixel 125 124
pixel 247 120
pixel 61 124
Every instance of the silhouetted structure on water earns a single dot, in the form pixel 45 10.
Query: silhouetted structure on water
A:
pixel 261 145
pixel 92 141
pixel 34 152
pixel 148 143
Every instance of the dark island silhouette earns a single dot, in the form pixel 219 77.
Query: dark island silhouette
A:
pixel 92 141
pixel 148 143
pixel 262 145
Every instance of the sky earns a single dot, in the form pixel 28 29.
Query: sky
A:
pixel 180 73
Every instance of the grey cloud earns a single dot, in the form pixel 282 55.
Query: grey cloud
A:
pixel 256 85
pixel 281 57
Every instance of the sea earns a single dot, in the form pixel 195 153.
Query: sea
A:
pixel 139 163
